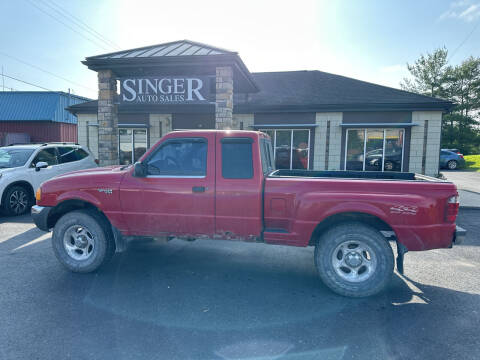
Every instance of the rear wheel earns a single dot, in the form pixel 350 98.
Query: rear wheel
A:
pixel 82 241
pixel 452 164
pixel 354 260
pixel 17 201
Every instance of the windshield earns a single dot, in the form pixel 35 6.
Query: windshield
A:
pixel 14 157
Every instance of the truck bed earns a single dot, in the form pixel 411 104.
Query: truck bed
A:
pixel 374 175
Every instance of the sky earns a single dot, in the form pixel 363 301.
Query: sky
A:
pixel 41 43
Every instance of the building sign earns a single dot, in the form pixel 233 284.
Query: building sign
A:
pixel 164 90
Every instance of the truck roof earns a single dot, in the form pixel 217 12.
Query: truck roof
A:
pixel 208 131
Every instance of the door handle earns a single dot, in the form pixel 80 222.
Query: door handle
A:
pixel 198 189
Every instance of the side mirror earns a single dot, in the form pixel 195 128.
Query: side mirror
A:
pixel 139 169
pixel 41 165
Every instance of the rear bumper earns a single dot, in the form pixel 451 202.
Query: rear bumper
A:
pixel 459 235
pixel 40 216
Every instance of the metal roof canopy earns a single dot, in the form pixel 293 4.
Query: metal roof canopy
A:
pixel 182 57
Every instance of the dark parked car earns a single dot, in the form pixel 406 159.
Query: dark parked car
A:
pixel 451 160
pixel 393 160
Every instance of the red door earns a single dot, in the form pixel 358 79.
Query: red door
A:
pixel 177 197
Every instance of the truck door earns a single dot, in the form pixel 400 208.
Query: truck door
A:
pixel 177 196
pixel 238 200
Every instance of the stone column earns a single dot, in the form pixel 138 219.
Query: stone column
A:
pixel 107 119
pixel 224 98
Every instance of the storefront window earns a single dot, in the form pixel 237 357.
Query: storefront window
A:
pixel 374 149
pixel 291 148
pixel 132 144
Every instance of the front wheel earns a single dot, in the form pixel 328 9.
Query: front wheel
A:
pixel 354 260
pixel 17 201
pixel 82 241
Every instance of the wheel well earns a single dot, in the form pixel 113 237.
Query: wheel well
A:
pixel 26 185
pixel 70 205
pixel 336 219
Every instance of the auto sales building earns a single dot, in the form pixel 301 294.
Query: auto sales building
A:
pixel 316 120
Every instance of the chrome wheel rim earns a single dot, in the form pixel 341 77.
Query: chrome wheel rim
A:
pixel 18 201
pixel 354 261
pixel 452 165
pixel 79 242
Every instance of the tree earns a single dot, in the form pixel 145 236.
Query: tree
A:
pixel 428 73
pixel 432 76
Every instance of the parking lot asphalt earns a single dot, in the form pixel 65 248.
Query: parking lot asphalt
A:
pixel 228 300
pixel 465 180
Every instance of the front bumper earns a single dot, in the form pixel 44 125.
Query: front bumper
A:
pixel 40 216
pixel 459 235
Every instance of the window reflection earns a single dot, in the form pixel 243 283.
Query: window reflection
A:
pixel 366 148
pixel 132 144
pixel 355 147
pixel 291 148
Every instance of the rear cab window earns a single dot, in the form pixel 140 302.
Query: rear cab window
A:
pixel 237 158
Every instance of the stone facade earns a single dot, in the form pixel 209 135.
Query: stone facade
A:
pixel 107 119
pixel 420 162
pixel 321 161
pixel 224 98
pixel 160 125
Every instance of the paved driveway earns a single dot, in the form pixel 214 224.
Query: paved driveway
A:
pixel 228 300
pixel 465 180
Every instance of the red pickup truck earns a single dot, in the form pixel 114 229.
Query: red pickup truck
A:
pixel 223 185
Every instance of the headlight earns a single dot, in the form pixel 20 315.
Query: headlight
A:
pixel 38 194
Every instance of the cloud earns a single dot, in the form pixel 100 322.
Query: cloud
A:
pixel 465 10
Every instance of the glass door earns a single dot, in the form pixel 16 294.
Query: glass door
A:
pixel 132 144
pixel 125 145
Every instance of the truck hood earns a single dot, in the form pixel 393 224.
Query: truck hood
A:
pixel 84 185
pixel 94 171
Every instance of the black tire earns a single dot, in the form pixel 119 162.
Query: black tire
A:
pixel 334 277
pixel 452 165
pixel 96 254
pixel 17 200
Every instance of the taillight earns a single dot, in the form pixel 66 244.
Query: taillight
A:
pixel 461 155
pixel 452 209
pixel 97 162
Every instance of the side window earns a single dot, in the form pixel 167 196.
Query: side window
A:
pixel 237 158
pixel 80 154
pixel 66 154
pixel 179 157
pixel 48 155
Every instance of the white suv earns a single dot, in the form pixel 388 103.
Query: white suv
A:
pixel 24 167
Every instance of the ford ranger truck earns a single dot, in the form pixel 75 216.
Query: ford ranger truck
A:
pixel 222 185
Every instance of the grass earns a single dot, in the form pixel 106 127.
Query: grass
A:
pixel 472 162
